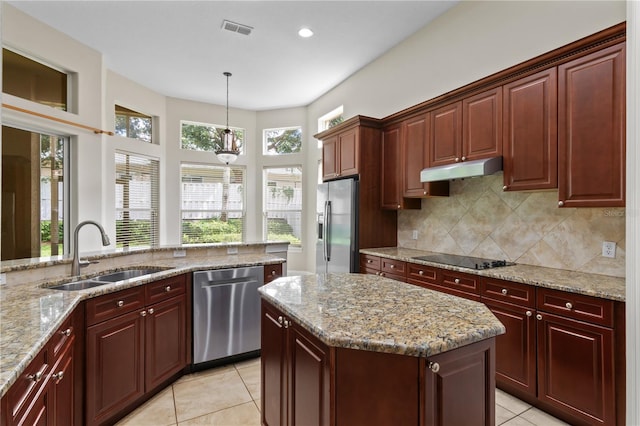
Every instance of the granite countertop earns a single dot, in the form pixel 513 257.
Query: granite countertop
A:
pixel 374 313
pixel 603 286
pixel 30 313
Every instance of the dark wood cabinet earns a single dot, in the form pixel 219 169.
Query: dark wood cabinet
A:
pixel 341 154
pixel 391 181
pixel 530 141
pixel 295 373
pixel 482 125
pixel 136 343
pixel 445 135
pixel 415 157
pixel 591 123
pixel 271 272
pixel 330 158
pixel 389 268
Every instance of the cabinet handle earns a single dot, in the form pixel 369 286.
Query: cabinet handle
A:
pixel 167 288
pixel 420 272
pixel 504 188
pixel 569 305
pixel 143 313
pixel 280 319
pixel 35 377
pixel 151 311
pixel 369 261
pixel 539 317
pixel 58 376
pixel 392 266
pixel 457 281
pixel 560 203
pixel 120 303
pixel 504 291
pixel 66 332
pixel 434 366
pixel 529 313
pixel 464 158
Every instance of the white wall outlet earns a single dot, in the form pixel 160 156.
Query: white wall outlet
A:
pixel 3 278
pixel 232 250
pixel 414 234
pixel 179 253
pixel 608 249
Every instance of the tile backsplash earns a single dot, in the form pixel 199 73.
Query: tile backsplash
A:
pixel 480 219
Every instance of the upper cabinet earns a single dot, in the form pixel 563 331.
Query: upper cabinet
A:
pixel 341 154
pixel 445 135
pixel 591 123
pixel 392 171
pixel 530 141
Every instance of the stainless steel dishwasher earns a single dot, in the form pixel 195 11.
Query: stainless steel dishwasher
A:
pixel 226 313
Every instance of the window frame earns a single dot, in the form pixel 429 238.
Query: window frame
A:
pixel 277 154
pixel 129 114
pixel 219 128
pixel 265 194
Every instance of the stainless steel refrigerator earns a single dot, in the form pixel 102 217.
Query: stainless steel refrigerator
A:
pixel 337 230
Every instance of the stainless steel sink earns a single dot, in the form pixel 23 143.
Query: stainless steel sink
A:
pixel 107 278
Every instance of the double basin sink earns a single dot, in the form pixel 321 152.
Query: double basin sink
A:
pixel 106 278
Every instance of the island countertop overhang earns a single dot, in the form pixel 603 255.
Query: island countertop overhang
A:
pixel 373 313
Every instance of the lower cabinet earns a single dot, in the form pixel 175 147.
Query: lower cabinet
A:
pixel 133 346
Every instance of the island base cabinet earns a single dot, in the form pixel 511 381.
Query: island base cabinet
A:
pixel 459 386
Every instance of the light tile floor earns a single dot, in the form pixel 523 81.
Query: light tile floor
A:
pixel 230 396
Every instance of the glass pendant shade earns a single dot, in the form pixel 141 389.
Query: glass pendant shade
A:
pixel 229 151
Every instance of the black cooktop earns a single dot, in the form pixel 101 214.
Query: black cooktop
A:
pixel 465 261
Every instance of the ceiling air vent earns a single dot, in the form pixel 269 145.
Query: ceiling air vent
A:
pixel 236 28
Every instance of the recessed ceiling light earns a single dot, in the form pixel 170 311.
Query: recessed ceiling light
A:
pixel 305 32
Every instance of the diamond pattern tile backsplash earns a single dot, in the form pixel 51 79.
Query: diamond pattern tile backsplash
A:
pixel 480 219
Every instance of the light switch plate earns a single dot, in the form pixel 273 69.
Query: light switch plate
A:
pixel 179 253
pixel 609 249
pixel 414 234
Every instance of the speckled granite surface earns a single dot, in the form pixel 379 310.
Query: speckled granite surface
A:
pixel 604 286
pixel 30 314
pixel 373 313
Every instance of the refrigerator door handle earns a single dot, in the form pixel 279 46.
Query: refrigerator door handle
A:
pixel 327 242
pixel 324 232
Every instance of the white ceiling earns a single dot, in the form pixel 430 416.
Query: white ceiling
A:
pixel 177 48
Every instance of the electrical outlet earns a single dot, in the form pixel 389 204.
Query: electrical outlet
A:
pixel 179 253
pixel 3 278
pixel 414 234
pixel 232 250
pixel 608 249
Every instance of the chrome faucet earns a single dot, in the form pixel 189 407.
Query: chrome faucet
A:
pixel 77 263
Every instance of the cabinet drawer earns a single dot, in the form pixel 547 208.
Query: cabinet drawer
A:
pixel 420 274
pixel 461 281
pixel 63 335
pixel 391 266
pixel 22 393
pixel 576 306
pixel 165 289
pixel 111 305
pixel 271 272
pixel 369 262
pixel 507 291
pixel 397 277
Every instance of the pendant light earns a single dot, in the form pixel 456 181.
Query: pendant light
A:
pixel 229 152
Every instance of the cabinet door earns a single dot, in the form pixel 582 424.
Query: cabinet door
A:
pixel 63 381
pixel 309 379
pixel 531 132
pixel 165 341
pixel 273 358
pixel 41 410
pixel 272 272
pixel 516 349
pixel 445 135
pixel 482 125
pixel 330 165
pixel 392 171
pixel 415 152
pixel 115 365
pixel 575 368
pixel 591 123
pixel 349 152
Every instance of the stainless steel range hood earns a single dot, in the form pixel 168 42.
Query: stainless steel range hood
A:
pixel 465 169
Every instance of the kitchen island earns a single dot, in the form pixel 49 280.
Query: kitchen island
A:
pixel 351 349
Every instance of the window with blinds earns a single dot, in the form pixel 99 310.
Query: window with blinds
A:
pixel 283 204
pixel 137 183
pixel 212 201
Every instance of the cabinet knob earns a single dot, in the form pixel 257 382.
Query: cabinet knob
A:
pixel 286 324
pixel 392 266
pixel 280 320
pixel 66 332
pixel 120 303
pixel 434 366
pixel 504 291
pixel 420 272
pixel 58 376
pixel 529 313
pixel 273 273
pixel 143 313
pixel 369 261
pixel 151 311
pixel 167 288
pixel 560 203
pixel 539 317
pixel 457 281
pixel 425 192
pixel 569 305
pixel 457 160
pixel 504 188
pixel 35 377
pixel 464 158
pixel 398 205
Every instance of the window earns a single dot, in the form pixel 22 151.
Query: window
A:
pixel 329 120
pixel 207 137
pixel 137 182
pixel 282 141
pixel 34 194
pixel 283 204
pixel 212 203
pixel 34 81
pixel 132 124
